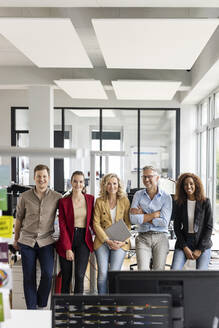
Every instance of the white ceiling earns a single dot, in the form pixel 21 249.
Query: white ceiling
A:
pixel 178 45
pixel 92 113
pixel 152 43
pixel 82 89
pixel 145 90
pixel 109 3
pixel 47 42
pixel 209 82
pixel 10 56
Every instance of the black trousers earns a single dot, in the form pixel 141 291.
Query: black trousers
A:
pixel 81 257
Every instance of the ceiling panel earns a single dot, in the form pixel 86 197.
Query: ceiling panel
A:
pixel 47 42
pixel 10 56
pixel 158 3
pixel 153 43
pixel 91 113
pixel 49 3
pixel 109 3
pixel 82 89
pixel 145 90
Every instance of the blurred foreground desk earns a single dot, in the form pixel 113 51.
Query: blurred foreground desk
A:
pixel 29 318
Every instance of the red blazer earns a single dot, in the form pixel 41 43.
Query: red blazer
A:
pixel 66 224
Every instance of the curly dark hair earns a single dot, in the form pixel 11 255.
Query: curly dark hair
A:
pixel 181 195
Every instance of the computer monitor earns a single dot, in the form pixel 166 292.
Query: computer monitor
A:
pixel 195 294
pixel 109 311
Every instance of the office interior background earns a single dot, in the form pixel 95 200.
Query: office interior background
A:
pixel 137 80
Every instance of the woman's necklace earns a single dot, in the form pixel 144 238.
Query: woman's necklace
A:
pixel 78 202
pixel 112 203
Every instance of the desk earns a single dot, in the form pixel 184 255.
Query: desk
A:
pixel 29 318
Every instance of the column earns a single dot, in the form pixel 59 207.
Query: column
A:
pixel 41 121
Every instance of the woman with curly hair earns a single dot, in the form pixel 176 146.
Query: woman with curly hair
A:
pixel 110 207
pixel 193 223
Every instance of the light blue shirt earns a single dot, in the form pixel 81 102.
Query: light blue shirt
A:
pixel 161 202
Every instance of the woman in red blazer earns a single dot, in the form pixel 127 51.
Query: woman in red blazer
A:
pixel 75 241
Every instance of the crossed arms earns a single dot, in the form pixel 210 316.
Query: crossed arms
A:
pixel 156 212
pixel 148 217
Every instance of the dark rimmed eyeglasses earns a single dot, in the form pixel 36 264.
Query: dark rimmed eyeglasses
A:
pixel 148 176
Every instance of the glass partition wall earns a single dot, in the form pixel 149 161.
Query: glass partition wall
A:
pixel 20 138
pixel 128 138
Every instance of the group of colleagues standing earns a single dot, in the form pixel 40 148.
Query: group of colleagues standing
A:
pixel 83 223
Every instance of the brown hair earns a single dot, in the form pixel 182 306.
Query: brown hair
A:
pixel 79 173
pixel 41 167
pixel 103 184
pixel 181 195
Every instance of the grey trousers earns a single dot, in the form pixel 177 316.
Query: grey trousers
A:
pixel 151 245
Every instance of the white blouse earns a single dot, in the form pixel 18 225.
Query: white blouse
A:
pixel 191 215
pixel 113 214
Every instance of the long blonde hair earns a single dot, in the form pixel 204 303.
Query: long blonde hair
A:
pixel 103 185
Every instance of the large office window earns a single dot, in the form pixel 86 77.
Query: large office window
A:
pixel 216 162
pixel 217 105
pixel 132 139
pixel 78 126
pixel 217 176
pixel 204 113
pixel 125 122
pixel 158 141
pixel 208 144
pixel 111 141
pixel 203 158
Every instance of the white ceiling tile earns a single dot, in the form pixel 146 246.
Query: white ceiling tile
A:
pixel 49 3
pixel 158 3
pixel 145 90
pixel 47 42
pixel 153 43
pixel 92 113
pixel 110 3
pixel 82 89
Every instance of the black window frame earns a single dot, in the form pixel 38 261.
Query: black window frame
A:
pixel 101 133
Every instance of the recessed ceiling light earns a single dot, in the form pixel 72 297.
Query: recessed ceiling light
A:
pixel 153 43
pixel 47 42
pixel 82 89
pixel 145 90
